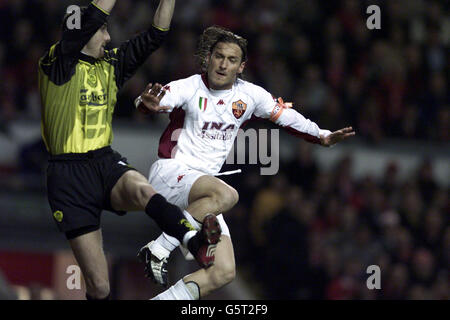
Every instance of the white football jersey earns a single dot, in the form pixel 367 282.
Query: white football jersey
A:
pixel 204 122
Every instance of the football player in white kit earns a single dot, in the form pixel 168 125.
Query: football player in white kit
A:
pixel 206 112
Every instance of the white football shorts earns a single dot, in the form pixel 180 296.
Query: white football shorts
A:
pixel 173 180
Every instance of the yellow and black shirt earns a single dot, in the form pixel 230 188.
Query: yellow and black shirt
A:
pixel 78 92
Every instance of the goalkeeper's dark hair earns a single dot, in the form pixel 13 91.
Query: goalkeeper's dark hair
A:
pixel 211 37
pixel 68 15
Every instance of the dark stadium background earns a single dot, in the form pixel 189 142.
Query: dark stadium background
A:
pixel 309 232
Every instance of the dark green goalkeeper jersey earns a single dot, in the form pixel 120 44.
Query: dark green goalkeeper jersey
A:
pixel 78 93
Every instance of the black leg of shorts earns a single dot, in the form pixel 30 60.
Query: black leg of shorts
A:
pixel 72 234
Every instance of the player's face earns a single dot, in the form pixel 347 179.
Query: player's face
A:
pixel 96 45
pixel 224 64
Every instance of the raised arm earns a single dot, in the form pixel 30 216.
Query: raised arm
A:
pixel 58 62
pixel 106 5
pixel 163 15
pixel 73 40
pixel 133 53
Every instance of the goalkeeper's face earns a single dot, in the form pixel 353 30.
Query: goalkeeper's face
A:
pixel 224 65
pixel 96 45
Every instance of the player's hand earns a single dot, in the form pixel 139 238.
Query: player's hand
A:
pixel 151 97
pixel 336 136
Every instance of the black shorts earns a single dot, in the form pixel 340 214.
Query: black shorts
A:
pixel 79 187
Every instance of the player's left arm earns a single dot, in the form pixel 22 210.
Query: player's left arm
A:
pixel 282 114
pixel 133 53
pixel 296 124
pixel 163 15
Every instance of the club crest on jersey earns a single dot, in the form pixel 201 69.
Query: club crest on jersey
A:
pixel 239 108
pixel 202 103
pixel 92 78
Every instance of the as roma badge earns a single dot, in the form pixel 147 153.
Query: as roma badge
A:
pixel 239 108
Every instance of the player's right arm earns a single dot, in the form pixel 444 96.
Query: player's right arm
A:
pixel 157 98
pixel 106 5
pixel 73 40
pixel 134 52
pixel 283 115
pixel 58 63
pixel 149 100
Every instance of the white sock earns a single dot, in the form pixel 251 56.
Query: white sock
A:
pixel 170 243
pixel 192 221
pixel 188 237
pixel 167 242
pixel 180 291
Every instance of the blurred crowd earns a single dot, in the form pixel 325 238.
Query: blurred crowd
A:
pixel 312 234
pixel 308 234
pixel 391 82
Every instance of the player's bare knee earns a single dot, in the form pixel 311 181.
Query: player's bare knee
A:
pixel 234 197
pixel 97 288
pixel 222 274
pixel 231 197
pixel 226 198
pixel 143 194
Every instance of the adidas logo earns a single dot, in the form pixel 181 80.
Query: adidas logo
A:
pixel 220 102
pixel 211 250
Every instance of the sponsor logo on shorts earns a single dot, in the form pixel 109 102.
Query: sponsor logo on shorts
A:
pixel 180 177
pixel 58 215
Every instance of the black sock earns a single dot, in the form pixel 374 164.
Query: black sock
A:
pixel 89 297
pixel 195 243
pixel 168 217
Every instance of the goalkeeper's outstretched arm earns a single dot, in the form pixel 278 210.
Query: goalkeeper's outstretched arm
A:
pixel 106 5
pixel 163 14
pixel 133 53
